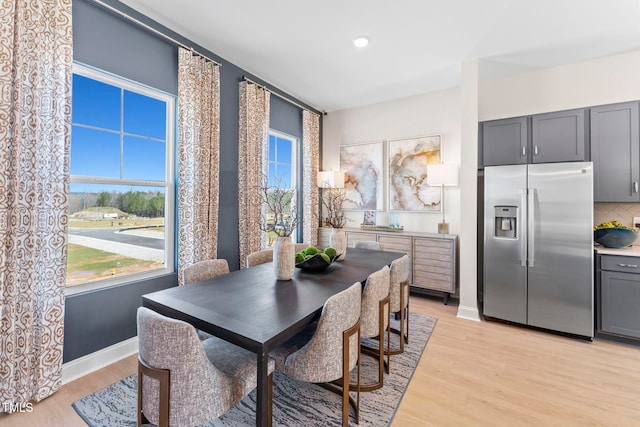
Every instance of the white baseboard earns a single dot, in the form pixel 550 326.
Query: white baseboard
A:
pixel 469 313
pixel 92 362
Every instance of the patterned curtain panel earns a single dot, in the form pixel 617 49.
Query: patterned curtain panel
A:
pixel 36 54
pixel 198 158
pixel 310 162
pixel 252 164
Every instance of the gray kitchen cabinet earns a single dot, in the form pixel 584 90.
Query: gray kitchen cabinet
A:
pixel 615 151
pixel 559 137
pixel 504 142
pixel 619 296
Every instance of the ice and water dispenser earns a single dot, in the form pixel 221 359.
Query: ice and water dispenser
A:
pixel 506 222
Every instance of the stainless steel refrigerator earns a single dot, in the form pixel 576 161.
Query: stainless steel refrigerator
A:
pixel 538 245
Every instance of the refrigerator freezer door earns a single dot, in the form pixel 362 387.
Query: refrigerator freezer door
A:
pixel 560 282
pixel 505 271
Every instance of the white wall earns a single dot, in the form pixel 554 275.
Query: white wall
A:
pixel 428 114
pixel 605 80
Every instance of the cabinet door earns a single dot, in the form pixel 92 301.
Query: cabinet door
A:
pixel 619 303
pixel 504 142
pixel 398 244
pixel 559 137
pixel 434 264
pixel 615 150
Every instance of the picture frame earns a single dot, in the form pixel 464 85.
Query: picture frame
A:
pixel 369 218
pixel 408 168
pixel 362 165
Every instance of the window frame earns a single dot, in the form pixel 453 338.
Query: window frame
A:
pixel 169 183
pixel 295 173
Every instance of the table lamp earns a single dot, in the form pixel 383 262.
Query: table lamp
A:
pixel 442 175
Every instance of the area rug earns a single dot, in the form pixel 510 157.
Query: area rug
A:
pixel 295 403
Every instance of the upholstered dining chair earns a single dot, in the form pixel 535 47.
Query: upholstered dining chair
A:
pixel 189 382
pixel 399 298
pixel 259 257
pixel 369 244
pixel 204 270
pixel 328 352
pixel 375 320
pixel 301 246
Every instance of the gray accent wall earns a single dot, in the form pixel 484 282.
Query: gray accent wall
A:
pixel 97 319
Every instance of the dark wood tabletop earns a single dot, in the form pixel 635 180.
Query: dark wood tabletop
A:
pixel 253 310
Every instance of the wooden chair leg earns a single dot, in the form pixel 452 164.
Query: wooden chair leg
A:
pixel 404 317
pixel 384 309
pixel 270 399
pixel 164 378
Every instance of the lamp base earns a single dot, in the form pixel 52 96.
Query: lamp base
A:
pixel 443 228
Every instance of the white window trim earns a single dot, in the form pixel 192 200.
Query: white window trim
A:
pixel 295 164
pixel 169 184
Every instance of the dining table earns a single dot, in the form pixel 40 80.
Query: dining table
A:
pixel 253 310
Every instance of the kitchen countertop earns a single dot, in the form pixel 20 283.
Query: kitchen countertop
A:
pixel 628 251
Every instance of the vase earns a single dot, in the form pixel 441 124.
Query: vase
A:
pixel 338 241
pixel 284 258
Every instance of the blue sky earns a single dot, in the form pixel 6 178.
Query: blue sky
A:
pixel 280 159
pixel 96 152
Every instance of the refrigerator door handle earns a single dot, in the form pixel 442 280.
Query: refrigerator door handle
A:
pixel 531 219
pixel 522 231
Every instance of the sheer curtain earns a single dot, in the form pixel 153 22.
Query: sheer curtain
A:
pixel 198 158
pixel 252 165
pixel 310 163
pixel 35 129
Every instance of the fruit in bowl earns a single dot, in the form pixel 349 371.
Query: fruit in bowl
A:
pixel 613 234
pixel 314 259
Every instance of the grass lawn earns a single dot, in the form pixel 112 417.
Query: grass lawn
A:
pixel 86 265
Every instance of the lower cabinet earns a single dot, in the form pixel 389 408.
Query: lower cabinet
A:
pixel 433 257
pixel 619 296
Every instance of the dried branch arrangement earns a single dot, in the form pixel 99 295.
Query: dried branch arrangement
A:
pixel 332 200
pixel 280 215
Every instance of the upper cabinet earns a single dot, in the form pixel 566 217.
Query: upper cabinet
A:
pixel 543 138
pixel 615 150
pixel 504 142
pixel 559 137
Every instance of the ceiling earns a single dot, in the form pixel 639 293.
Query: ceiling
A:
pixel 304 48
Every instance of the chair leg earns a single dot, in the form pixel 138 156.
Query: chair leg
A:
pixel 344 381
pixel 270 399
pixel 404 317
pixel 384 309
pixel 164 378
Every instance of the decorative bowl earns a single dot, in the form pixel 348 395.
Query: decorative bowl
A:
pixel 315 263
pixel 615 237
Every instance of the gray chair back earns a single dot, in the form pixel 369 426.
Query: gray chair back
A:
pixel 375 289
pixel 259 257
pixel 399 273
pixel 204 270
pixel 320 360
pixel 199 391
pixel 368 244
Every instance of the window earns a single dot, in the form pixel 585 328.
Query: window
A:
pixel 282 170
pixel 122 180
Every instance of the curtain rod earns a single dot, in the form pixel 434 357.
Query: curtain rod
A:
pixel 153 30
pixel 289 100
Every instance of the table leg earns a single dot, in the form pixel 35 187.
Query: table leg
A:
pixel 263 411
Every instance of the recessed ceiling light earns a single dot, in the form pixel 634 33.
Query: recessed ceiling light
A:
pixel 361 41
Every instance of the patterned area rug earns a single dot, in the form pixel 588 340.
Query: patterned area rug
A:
pixel 294 403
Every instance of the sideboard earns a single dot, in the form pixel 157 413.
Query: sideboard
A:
pixel 433 256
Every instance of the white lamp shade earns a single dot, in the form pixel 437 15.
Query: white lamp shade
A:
pixel 446 175
pixel 330 179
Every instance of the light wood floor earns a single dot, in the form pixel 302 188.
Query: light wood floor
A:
pixel 471 374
